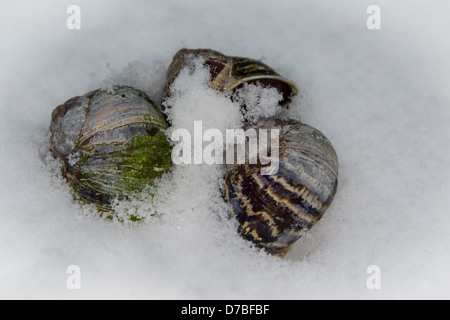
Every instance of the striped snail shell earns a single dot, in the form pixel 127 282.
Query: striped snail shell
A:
pixel 273 211
pixel 228 73
pixel 111 144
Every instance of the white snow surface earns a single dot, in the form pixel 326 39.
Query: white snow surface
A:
pixel 380 96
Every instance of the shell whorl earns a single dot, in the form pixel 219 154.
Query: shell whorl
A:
pixel 111 144
pixel 274 211
pixel 228 73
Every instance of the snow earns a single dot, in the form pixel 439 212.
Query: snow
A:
pixel 259 102
pixel 380 96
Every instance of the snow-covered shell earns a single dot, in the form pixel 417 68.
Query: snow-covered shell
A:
pixel 229 73
pixel 275 210
pixel 111 144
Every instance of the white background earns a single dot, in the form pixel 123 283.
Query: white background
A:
pixel 381 97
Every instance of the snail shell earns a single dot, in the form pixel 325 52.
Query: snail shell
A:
pixel 111 144
pixel 229 73
pixel 273 211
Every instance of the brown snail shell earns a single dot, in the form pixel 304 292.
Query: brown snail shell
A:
pixel 274 211
pixel 229 73
pixel 111 144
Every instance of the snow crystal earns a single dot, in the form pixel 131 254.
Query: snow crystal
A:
pixel 193 100
pixel 258 101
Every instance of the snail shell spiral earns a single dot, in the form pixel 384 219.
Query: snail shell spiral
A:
pixel 111 144
pixel 273 211
pixel 228 73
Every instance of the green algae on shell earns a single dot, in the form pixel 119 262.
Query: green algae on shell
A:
pixel 112 144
